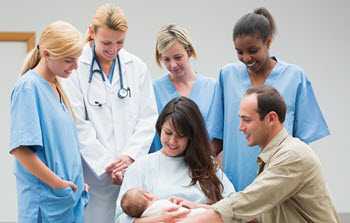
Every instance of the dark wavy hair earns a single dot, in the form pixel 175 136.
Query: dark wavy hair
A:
pixel 188 121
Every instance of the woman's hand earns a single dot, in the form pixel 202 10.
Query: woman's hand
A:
pixel 86 187
pixel 65 184
pixel 118 167
pixel 117 178
pixel 35 166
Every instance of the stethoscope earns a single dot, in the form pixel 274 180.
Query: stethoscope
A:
pixel 123 91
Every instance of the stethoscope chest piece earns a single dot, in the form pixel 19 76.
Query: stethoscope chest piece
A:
pixel 123 91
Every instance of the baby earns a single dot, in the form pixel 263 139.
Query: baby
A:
pixel 139 203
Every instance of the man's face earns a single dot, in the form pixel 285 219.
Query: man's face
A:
pixel 255 129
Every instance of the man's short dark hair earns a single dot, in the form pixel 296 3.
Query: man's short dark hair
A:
pixel 268 99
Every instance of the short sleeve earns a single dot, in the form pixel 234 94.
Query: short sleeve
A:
pixel 309 123
pixel 25 118
pixel 215 120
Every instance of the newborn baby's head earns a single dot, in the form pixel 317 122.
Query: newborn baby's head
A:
pixel 135 201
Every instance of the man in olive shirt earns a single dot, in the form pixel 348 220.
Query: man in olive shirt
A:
pixel 289 187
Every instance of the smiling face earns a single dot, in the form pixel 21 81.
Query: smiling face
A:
pixel 253 52
pixel 254 128
pixel 62 67
pixel 173 143
pixel 176 59
pixel 108 42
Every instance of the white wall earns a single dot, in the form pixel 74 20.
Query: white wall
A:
pixel 312 34
pixel 8 184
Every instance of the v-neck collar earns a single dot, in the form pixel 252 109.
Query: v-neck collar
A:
pixel 171 86
pixel 270 78
pixel 47 84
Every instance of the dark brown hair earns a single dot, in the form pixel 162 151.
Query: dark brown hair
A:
pixel 268 100
pixel 188 121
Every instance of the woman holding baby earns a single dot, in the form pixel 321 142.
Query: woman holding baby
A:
pixel 183 167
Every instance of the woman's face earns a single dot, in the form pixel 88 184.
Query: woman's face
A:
pixel 108 42
pixel 173 144
pixel 176 60
pixel 62 67
pixel 253 51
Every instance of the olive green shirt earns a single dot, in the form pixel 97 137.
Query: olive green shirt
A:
pixel 290 187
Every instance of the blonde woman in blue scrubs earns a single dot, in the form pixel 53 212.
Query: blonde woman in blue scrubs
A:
pixel 174 50
pixel 48 168
pixel 252 37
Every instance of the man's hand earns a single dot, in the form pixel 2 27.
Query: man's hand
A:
pixel 171 215
pixel 209 216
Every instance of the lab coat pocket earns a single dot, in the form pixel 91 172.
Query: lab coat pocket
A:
pixel 132 114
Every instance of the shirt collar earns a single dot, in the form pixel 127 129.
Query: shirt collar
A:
pixel 273 146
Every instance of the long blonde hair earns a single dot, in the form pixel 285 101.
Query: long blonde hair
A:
pixel 170 34
pixel 60 39
pixel 109 16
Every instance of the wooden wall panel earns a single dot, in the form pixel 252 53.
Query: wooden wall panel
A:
pixel 28 37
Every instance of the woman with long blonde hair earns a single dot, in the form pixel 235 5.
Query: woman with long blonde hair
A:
pixel 48 168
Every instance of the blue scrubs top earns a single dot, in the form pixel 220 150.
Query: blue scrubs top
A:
pixel 40 122
pixel 239 161
pixel 202 94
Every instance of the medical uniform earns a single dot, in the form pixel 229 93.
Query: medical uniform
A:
pixel 113 127
pixel 42 123
pixel 202 94
pixel 304 119
pixel 165 176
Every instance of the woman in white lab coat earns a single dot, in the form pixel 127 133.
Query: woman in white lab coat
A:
pixel 113 101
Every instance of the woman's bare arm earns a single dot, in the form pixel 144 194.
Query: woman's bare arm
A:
pixel 35 166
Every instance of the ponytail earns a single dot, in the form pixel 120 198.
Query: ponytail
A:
pixel 260 23
pixel 264 12
pixel 32 59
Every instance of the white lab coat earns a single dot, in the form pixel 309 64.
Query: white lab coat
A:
pixel 119 127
